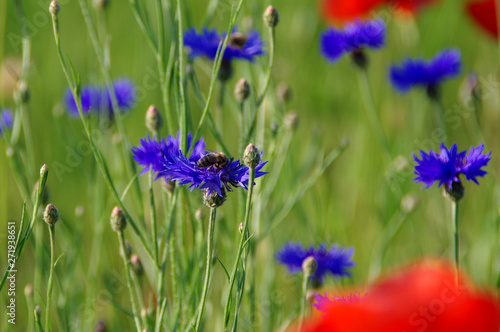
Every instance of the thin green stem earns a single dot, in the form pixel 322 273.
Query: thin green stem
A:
pixel 454 216
pixel 182 67
pixel 240 246
pixel 206 283
pixel 303 301
pixel 153 219
pixel 126 262
pixel 438 112
pixel 260 98
pixel 364 86
pixel 50 284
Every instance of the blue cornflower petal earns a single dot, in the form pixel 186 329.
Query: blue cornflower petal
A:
pixel 125 94
pixel 6 120
pixel 206 43
pixel 91 100
pixel 447 166
pixel 474 161
pixel 148 154
pixel 337 42
pixel 336 260
pixel 419 72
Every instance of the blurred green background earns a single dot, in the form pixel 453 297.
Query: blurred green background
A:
pixel 351 204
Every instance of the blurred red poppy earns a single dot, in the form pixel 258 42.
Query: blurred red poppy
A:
pixel 423 297
pixel 340 11
pixel 411 6
pixel 484 13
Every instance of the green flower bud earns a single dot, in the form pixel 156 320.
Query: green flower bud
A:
pixel 291 120
pixel 225 71
pixel 271 17
pixel 242 90
pixel 309 266
pixel 54 8
pixel 29 291
pixel 455 193
pixel 38 313
pixel 154 120
pixel 251 156
pixel 213 200
pixel 128 249
pixel 283 93
pixel 118 220
pixel 135 260
pixel 51 215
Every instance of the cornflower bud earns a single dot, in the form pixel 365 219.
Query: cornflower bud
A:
pixel 271 17
pixel 291 120
pixel 54 8
pixel 51 215
pixel 137 265
pixel 154 120
pixel 251 156
pixel 118 220
pixel 309 266
pixel 242 90
pixel 213 200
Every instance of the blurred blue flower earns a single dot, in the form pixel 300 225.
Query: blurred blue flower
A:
pixel 167 160
pixel 429 74
pixel 98 100
pixel 91 100
pixel 336 260
pixel 206 43
pixel 353 38
pixel 447 166
pixel 6 120
pixel 125 94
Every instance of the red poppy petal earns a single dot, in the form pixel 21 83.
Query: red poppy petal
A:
pixel 483 13
pixel 347 10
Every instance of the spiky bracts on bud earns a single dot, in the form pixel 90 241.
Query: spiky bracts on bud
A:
pixel 212 199
pixel 154 120
pixel 455 192
pixel 251 156
pixel 54 8
pixel 135 260
pixel 242 90
pixel 271 17
pixel 51 215
pixel 118 220
pixel 309 266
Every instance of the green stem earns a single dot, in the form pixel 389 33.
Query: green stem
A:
pixel 439 116
pixel 364 86
pixel 260 98
pixel 153 219
pixel 51 278
pixel 126 262
pixel 454 216
pixel 210 244
pixel 240 246
pixel 182 68
pixel 303 301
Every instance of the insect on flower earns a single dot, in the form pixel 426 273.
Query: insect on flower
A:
pixel 217 159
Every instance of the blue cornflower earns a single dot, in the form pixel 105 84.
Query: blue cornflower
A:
pixel 167 160
pixel 447 166
pixel 352 39
pixel 336 260
pixel 125 94
pixel 150 153
pixel 206 43
pixel 98 100
pixel 6 120
pixel 91 100
pixel 429 74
